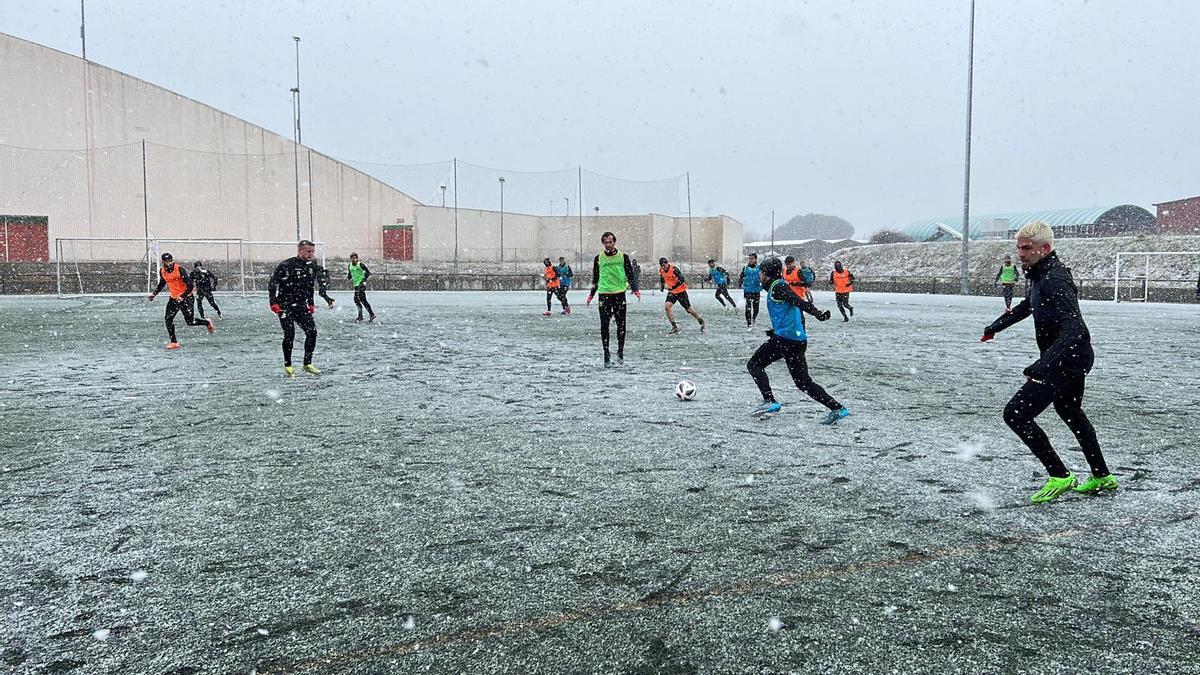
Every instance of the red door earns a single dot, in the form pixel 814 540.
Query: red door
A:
pixel 24 238
pixel 397 242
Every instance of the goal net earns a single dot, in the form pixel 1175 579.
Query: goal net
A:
pixel 115 265
pixel 1142 276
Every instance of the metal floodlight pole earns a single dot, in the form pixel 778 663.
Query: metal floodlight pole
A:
pixel 501 218
pixel 691 250
pixel 83 30
pixel 312 227
pixel 579 186
pixel 455 210
pixel 146 216
pixel 966 225
pixel 772 231
pixel 296 133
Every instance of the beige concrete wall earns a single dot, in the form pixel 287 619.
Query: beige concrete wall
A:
pixel 208 173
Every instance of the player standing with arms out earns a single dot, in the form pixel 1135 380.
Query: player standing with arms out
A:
pixel 554 288
pixel 720 277
pixel 358 274
pixel 751 281
pixel 1008 276
pixel 1058 376
pixel 788 341
pixel 676 288
pixel 612 273
pixel 179 285
pixel 291 296
pixel 204 283
pixel 565 275
pixel 842 281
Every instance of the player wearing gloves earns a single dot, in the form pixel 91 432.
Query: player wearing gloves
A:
pixel 1057 377
pixel 788 341
pixel 179 284
pixel 291 298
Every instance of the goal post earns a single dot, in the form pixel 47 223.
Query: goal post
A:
pixel 1138 271
pixel 116 265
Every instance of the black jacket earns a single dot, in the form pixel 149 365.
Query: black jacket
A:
pixel 292 283
pixel 1062 336
pixel 204 281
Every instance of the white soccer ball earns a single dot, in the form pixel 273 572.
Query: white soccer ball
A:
pixel 685 390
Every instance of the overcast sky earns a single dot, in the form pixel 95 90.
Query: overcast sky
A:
pixel 856 109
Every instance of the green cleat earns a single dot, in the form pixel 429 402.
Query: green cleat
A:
pixel 311 369
pixel 1094 485
pixel 1054 488
pixel 289 371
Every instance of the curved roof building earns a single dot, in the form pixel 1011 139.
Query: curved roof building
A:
pixel 1088 222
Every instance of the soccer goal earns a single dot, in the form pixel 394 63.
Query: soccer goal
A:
pixel 117 265
pixel 1167 273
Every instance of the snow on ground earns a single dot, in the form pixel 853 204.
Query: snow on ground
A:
pixel 464 488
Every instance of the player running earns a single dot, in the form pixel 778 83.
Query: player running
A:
pixel 842 281
pixel 291 296
pixel 554 288
pixel 612 273
pixel 358 274
pixel 179 285
pixel 809 277
pixel 565 275
pixel 1008 276
pixel 323 285
pixel 720 277
pixel 788 341
pixel 676 288
pixel 1057 377
pixel 751 281
pixel 204 283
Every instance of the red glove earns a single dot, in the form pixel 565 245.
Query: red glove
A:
pixel 987 336
pixel 151 297
pixel 277 309
pixel 312 309
pixel 638 294
pixel 589 299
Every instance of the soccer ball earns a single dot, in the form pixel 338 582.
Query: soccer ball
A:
pixel 685 390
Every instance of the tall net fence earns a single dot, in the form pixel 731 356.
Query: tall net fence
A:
pixel 147 190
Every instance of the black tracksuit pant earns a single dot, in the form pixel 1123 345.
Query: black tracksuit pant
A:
pixel 843 304
pixel 751 306
pixel 360 300
pixel 174 307
pixel 560 293
pixel 792 352
pixel 201 296
pixel 292 315
pixel 1065 391
pixel 724 291
pixel 612 306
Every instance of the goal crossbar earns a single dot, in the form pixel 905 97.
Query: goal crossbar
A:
pixel 1145 272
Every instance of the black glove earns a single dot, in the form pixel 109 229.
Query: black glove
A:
pixel 770 332
pixel 823 315
pixel 1033 372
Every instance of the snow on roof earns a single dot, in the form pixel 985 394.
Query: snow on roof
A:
pixel 798 242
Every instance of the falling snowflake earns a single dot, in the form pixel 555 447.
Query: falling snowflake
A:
pixel 410 623
pixel 101 634
pixel 138 575
pixel 968 452
pixel 775 624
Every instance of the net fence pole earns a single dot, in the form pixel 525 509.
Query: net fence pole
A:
pixel 146 215
pixel 312 225
pixel 1117 281
pixel 242 264
pixel 691 249
pixel 58 265
pixel 1146 282
pixel 966 226
pixel 456 211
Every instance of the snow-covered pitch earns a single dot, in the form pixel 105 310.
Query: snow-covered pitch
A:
pixel 465 488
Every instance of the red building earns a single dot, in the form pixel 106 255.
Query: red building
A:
pixel 1181 216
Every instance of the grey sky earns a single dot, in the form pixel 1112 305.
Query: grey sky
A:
pixel 850 108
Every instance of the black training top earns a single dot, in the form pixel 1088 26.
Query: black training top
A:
pixel 203 280
pixel 292 282
pixel 1062 336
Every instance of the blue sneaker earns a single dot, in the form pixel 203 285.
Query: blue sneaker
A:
pixel 766 408
pixel 607 363
pixel 835 415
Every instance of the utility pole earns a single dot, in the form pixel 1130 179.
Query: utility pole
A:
pixel 501 218
pixel 966 224
pixel 296 134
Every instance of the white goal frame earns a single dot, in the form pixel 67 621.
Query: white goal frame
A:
pixel 1144 277
pixel 151 248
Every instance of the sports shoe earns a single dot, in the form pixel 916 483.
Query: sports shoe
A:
pixel 567 311
pixel 172 345
pixel 766 408
pixel 844 319
pixel 620 360
pixel 674 330
pixel 1094 485
pixel 1054 488
pixel 701 325
pixel 289 371
pixel 835 415
pixel 311 369
pixel 358 320
pixel 373 317
pixel 211 326
pixel 546 313
pixel 749 328
pixel 329 303
pixel 607 363
pixel 851 310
